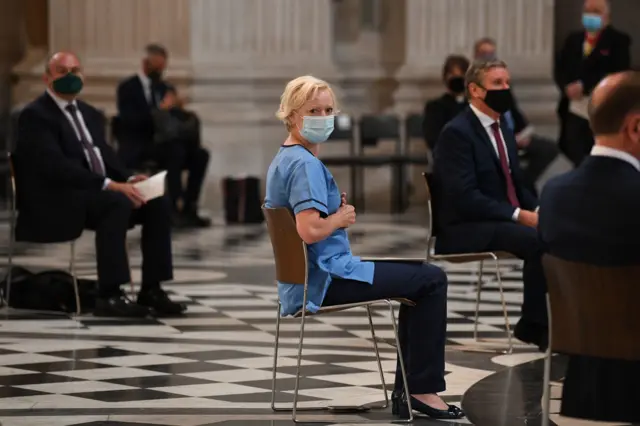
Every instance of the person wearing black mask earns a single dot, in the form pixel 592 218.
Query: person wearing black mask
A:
pixel 481 201
pixel 438 112
pixel 538 151
pixel 139 98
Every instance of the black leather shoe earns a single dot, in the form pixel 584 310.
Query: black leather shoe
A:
pixel 395 402
pixel 530 332
pixel 193 220
pixel 160 303
pixel 119 306
pixel 452 413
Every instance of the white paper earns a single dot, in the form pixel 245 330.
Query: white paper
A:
pixel 580 108
pixel 152 187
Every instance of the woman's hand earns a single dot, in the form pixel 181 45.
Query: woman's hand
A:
pixel 345 216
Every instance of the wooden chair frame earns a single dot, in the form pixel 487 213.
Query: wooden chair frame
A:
pixel 593 307
pixel 482 257
pixel 281 225
pixel 12 241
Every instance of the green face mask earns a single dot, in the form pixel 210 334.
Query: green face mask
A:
pixel 69 84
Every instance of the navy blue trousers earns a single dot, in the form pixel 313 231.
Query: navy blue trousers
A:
pixel 422 328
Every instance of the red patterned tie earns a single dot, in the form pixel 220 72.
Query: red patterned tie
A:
pixel 511 189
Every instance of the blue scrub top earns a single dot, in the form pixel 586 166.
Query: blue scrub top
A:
pixel 299 181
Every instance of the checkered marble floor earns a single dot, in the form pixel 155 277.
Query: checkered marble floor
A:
pixel 214 365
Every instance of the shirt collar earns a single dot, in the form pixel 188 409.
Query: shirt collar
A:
pixel 484 118
pixel 62 103
pixel 144 79
pixel 605 151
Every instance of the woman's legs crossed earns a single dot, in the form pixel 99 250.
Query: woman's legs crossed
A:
pixel 422 328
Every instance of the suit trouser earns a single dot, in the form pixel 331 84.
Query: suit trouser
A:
pixel 522 241
pixel 110 214
pixel 184 154
pixel 578 138
pixel 422 328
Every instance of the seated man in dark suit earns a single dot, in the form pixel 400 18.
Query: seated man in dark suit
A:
pixel 590 215
pixel 137 96
pixel 438 112
pixel 586 57
pixel 70 179
pixel 539 152
pixel 480 197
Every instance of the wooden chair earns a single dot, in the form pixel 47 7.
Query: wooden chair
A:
pixel 12 240
pixel 493 257
pixel 594 311
pixel 290 254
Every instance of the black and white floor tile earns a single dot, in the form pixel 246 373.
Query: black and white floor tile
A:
pixel 214 366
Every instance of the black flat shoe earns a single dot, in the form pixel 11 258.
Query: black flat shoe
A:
pixel 395 402
pixel 119 306
pixel 452 413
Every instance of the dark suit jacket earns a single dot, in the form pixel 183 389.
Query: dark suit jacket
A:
pixel 590 215
pixel 135 124
pixel 52 174
pixel 470 191
pixel 437 113
pixel 610 55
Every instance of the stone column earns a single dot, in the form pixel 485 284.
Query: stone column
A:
pixel 242 54
pixel 523 30
pixel 111 34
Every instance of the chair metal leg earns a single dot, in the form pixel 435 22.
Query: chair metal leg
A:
pixel 375 347
pixel 294 417
pixel 546 392
pixel 275 362
pixel 478 292
pixel 72 271
pixel 405 384
pixel 10 258
pixel 507 324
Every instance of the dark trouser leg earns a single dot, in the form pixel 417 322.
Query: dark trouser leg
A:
pixel 109 213
pixel 539 154
pixel 157 264
pixel 173 156
pixel 579 138
pixel 422 328
pixel 197 162
pixel 522 242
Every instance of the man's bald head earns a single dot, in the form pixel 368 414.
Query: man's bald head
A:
pixel 614 110
pixel 598 7
pixel 63 74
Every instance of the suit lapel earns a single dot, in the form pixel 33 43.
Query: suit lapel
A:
pixel 94 128
pixel 68 133
pixel 480 131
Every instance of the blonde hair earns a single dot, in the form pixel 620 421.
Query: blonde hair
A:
pixel 297 92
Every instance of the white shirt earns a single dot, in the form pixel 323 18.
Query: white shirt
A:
pixel 146 87
pixel 487 122
pixel 605 151
pixel 62 104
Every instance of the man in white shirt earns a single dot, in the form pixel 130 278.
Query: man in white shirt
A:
pixel 69 180
pixel 481 200
pixel 590 215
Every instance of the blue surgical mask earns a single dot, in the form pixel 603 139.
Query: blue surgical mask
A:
pixel 592 22
pixel 317 129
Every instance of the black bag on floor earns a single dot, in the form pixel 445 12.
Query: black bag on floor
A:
pixel 242 200
pixel 48 291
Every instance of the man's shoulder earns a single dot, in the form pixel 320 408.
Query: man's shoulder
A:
pixel 39 107
pixel 129 81
pixel 618 36
pixel 459 123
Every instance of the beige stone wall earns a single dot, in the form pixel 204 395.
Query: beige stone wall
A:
pixel 233 57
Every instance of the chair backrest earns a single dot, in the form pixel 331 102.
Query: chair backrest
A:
pixel 593 309
pixel 414 126
pixel 343 129
pixel 376 127
pixel 289 251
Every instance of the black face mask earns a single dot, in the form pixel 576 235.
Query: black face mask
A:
pixel 499 100
pixel 456 85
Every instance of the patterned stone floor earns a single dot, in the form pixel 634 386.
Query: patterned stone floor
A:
pixel 214 365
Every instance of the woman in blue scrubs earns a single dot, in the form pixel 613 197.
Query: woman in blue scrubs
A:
pixel 298 180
